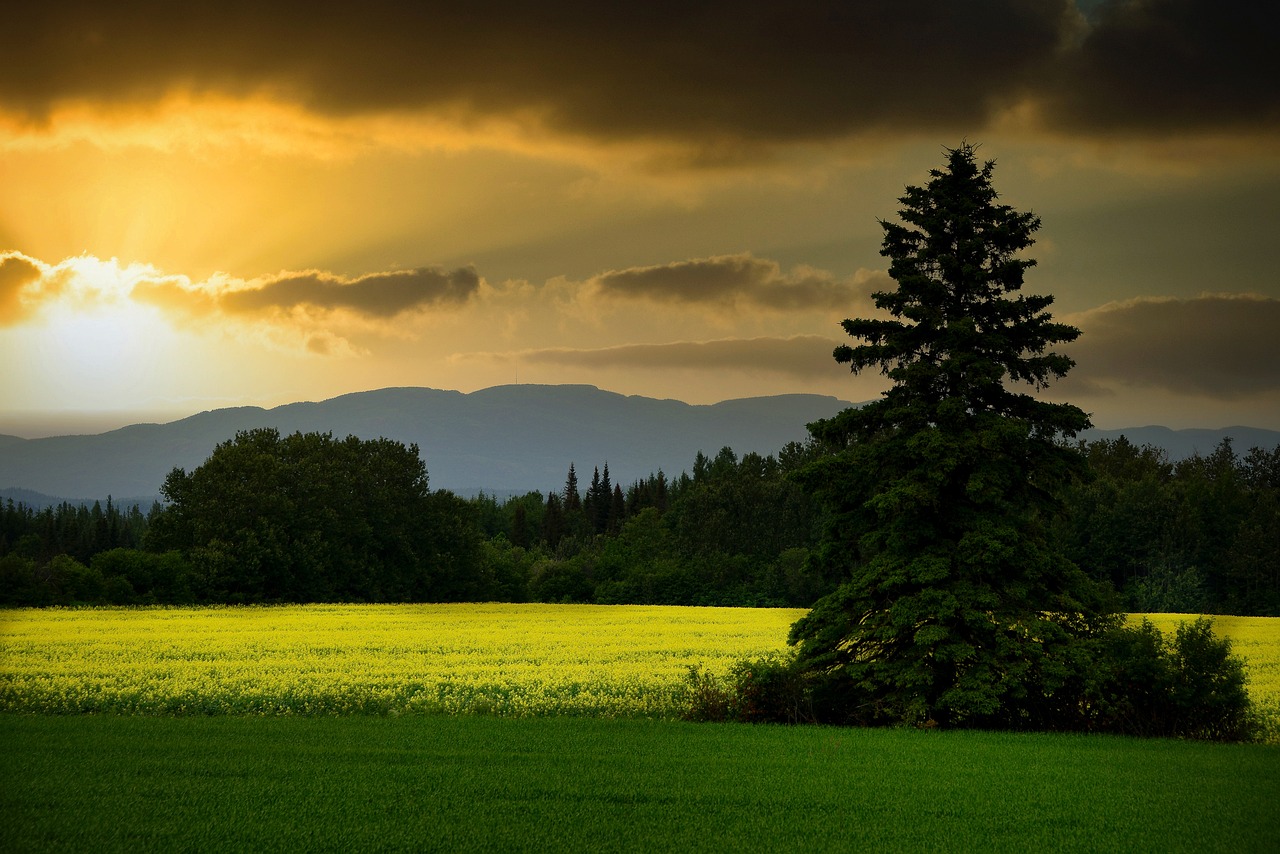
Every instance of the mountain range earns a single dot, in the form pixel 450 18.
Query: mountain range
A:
pixel 504 440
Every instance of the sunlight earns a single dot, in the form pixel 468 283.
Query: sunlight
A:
pixel 93 345
pixel 92 279
pixel 105 356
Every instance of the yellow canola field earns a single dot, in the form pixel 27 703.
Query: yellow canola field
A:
pixel 373 659
pixel 500 659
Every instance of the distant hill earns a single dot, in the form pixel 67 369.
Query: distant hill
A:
pixel 1180 444
pixel 503 440
pixel 506 439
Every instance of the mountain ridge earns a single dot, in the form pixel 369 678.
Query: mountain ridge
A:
pixel 503 440
pixel 507 439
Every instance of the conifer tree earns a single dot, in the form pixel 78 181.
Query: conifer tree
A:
pixel 553 520
pixel 572 500
pixel 954 607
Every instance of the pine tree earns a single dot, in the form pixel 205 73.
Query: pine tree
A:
pixel 572 500
pixel 553 521
pixel 954 607
pixel 617 510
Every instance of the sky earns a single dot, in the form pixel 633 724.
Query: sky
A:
pixel 254 203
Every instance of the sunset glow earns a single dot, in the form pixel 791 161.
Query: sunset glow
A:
pixel 677 208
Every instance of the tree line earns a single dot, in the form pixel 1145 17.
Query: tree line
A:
pixel 304 522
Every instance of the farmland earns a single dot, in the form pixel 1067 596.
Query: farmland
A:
pixel 500 659
pixel 325 659
pixel 460 783
pixel 474 727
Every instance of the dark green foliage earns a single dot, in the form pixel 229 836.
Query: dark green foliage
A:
pixel 77 530
pixel 1140 683
pixel 954 606
pixel 958 606
pixel 763 690
pixel 1126 680
pixel 149 578
pixel 306 518
pixel 21 584
pixel 740 532
pixel 560 582
pixel 1199 536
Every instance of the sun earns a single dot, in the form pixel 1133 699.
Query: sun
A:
pixel 93 346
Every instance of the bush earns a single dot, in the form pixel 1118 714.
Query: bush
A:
pixel 1207 695
pixel 1129 680
pixel 1190 687
pixel 763 690
pixel 707 698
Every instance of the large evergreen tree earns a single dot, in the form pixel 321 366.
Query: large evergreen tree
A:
pixel 953 606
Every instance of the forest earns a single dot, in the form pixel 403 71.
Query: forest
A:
pixel 307 518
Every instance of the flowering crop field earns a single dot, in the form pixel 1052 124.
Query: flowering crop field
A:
pixel 510 660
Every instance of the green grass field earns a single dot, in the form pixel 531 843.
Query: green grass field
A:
pixel 230 783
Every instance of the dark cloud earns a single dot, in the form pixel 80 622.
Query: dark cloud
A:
pixel 805 356
pixel 380 295
pixel 745 70
pixel 737 279
pixel 1165 65
pixel 1220 346
pixel 16 272
pixel 723 76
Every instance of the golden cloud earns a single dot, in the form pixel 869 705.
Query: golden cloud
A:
pixel 378 295
pixel 17 274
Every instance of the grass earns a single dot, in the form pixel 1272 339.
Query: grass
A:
pixel 228 783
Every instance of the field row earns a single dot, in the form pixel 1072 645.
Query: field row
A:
pixel 508 660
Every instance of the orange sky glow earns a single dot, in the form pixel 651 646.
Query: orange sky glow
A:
pixel 289 201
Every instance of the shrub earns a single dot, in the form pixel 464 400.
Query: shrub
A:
pixel 707 698
pixel 1207 696
pixel 1129 680
pixel 1190 687
pixel 761 690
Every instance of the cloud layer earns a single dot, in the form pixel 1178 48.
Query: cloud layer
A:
pixel 17 274
pixel 724 77
pixel 1219 346
pixel 741 280
pixel 377 296
pixel 381 295
pixel 802 356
